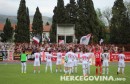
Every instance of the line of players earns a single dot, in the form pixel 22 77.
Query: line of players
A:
pixel 71 62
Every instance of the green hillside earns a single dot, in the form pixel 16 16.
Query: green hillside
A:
pixel 13 19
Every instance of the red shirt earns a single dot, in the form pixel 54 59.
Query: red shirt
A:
pixel 97 56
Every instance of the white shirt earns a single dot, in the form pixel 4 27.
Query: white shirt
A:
pixel 70 56
pixel 105 56
pixel 75 57
pixel 85 57
pixel 59 56
pixel 121 57
pixel 48 57
pixel 37 56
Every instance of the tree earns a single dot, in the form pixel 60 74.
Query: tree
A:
pixel 120 24
pixel 59 17
pixel 71 9
pixel 107 13
pixel 7 32
pixel 94 25
pixel 127 4
pixel 81 28
pixel 47 23
pixel 22 31
pixel 104 25
pixel 37 25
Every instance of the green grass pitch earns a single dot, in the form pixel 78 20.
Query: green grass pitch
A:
pixel 11 74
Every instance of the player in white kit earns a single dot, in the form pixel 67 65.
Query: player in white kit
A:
pixel 59 61
pixel 85 60
pixel 90 60
pixel 37 57
pixel 105 57
pixel 48 61
pixel 69 56
pixel 121 62
pixel 75 62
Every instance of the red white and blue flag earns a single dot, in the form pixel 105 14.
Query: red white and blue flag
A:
pixel 61 42
pixel 36 39
pixel 100 42
pixel 85 39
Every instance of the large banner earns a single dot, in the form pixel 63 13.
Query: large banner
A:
pixel 114 56
pixel 16 56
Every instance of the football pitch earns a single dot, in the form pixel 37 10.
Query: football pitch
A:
pixel 11 74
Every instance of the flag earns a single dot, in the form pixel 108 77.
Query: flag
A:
pixel 85 39
pixel 47 38
pixel 61 41
pixel 36 39
pixel 100 42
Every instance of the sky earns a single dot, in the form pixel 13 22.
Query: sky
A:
pixel 10 7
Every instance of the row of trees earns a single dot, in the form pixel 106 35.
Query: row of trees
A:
pixel 87 20
pixel 22 29
pixel 80 13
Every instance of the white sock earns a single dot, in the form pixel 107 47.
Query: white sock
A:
pixel 84 72
pixel 51 68
pixel 88 69
pixel 56 70
pixel 103 70
pixel 118 69
pixel 70 70
pixel 34 71
pixel 46 68
pixel 65 71
pixel 60 70
pixel 107 70
pixel 75 69
pixel 122 70
pixel 22 67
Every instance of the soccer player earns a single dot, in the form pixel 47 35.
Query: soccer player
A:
pixel 85 59
pixel 105 57
pixel 75 62
pixel 37 57
pixel 121 62
pixel 90 55
pixel 98 64
pixel 69 55
pixel 23 58
pixel 65 64
pixel 48 61
pixel 59 61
